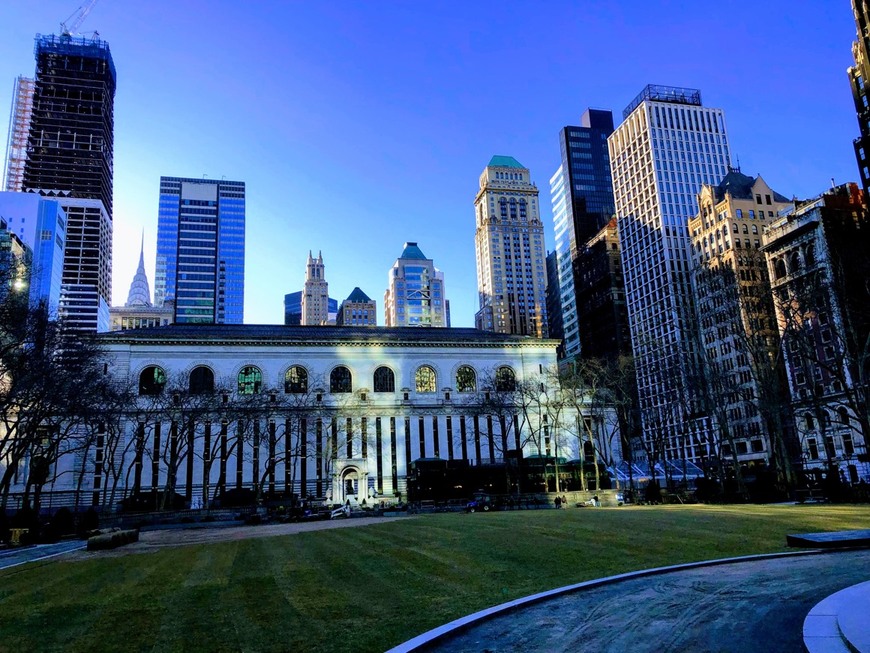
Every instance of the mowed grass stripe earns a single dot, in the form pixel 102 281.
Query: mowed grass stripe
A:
pixel 370 588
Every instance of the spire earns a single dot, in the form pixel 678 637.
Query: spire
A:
pixel 140 292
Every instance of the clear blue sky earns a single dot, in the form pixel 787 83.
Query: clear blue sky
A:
pixel 360 125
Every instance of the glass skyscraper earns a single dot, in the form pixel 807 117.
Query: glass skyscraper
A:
pixel 667 146
pixel 581 193
pixel 201 249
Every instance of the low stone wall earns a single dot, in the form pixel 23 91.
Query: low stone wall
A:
pixel 112 540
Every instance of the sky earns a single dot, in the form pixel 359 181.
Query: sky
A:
pixel 358 126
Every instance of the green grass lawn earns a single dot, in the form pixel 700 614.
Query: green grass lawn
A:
pixel 369 588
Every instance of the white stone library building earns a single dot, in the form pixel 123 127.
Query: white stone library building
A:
pixel 332 413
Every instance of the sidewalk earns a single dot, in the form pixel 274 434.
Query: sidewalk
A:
pixel 739 607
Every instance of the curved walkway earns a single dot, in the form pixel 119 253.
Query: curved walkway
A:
pixel 755 605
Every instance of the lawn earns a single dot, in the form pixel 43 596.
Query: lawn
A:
pixel 369 588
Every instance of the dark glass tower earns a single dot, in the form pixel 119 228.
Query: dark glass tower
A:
pixel 582 196
pixel 71 140
pixel 201 249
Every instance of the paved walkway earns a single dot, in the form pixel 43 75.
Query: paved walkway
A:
pixel 21 555
pixel 738 607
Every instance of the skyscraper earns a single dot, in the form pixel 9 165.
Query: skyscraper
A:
pixel 315 292
pixel 859 75
pixel 415 294
pixel 137 312
pixel 69 156
pixel 201 249
pixel 509 245
pixel 667 146
pixel 581 193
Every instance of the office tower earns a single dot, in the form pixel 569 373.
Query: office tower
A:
pixel 554 303
pixel 859 75
pixel 315 293
pixel 40 223
pixel 581 193
pixel 415 294
pixel 201 249
pixel 293 308
pixel 69 156
pixel 357 310
pixel 816 256
pixel 738 338
pixel 667 146
pixel 509 246
pixel 602 317
pixel 19 130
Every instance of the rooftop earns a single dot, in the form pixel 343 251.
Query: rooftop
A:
pixel 499 161
pixel 740 187
pixel 259 334
pixel 412 251
pixel 658 93
pixel 76 46
pixel 358 296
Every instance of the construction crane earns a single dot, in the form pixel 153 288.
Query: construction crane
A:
pixel 68 28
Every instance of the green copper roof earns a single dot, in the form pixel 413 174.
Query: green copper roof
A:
pixel 412 251
pixel 358 296
pixel 505 162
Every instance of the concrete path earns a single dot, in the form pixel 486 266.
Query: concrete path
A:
pixel 738 607
pixel 19 556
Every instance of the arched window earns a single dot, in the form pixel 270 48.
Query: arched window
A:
pixel 513 208
pixel 424 379
pixel 523 208
pixel 810 422
pixel 250 380
pixel 810 255
pixel 296 380
pixel 794 262
pixel 340 380
pixel 201 380
pixel 502 206
pixel 844 415
pixel 385 380
pixel 779 268
pixel 152 380
pixel 466 379
pixel 505 380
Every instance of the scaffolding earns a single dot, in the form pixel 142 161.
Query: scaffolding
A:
pixel 19 128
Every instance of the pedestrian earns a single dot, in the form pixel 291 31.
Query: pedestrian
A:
pixel 558 502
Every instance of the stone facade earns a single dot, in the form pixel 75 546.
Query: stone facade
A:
pixel 335 413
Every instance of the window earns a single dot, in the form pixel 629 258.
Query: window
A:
pixel 505 380
pixel 385 380
pixel 340 380
pixel 201 380
pixel 250 380
pixel 424 379
pixel 152 380
pixel 466 379
pixel 812 449
pixel 296 380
